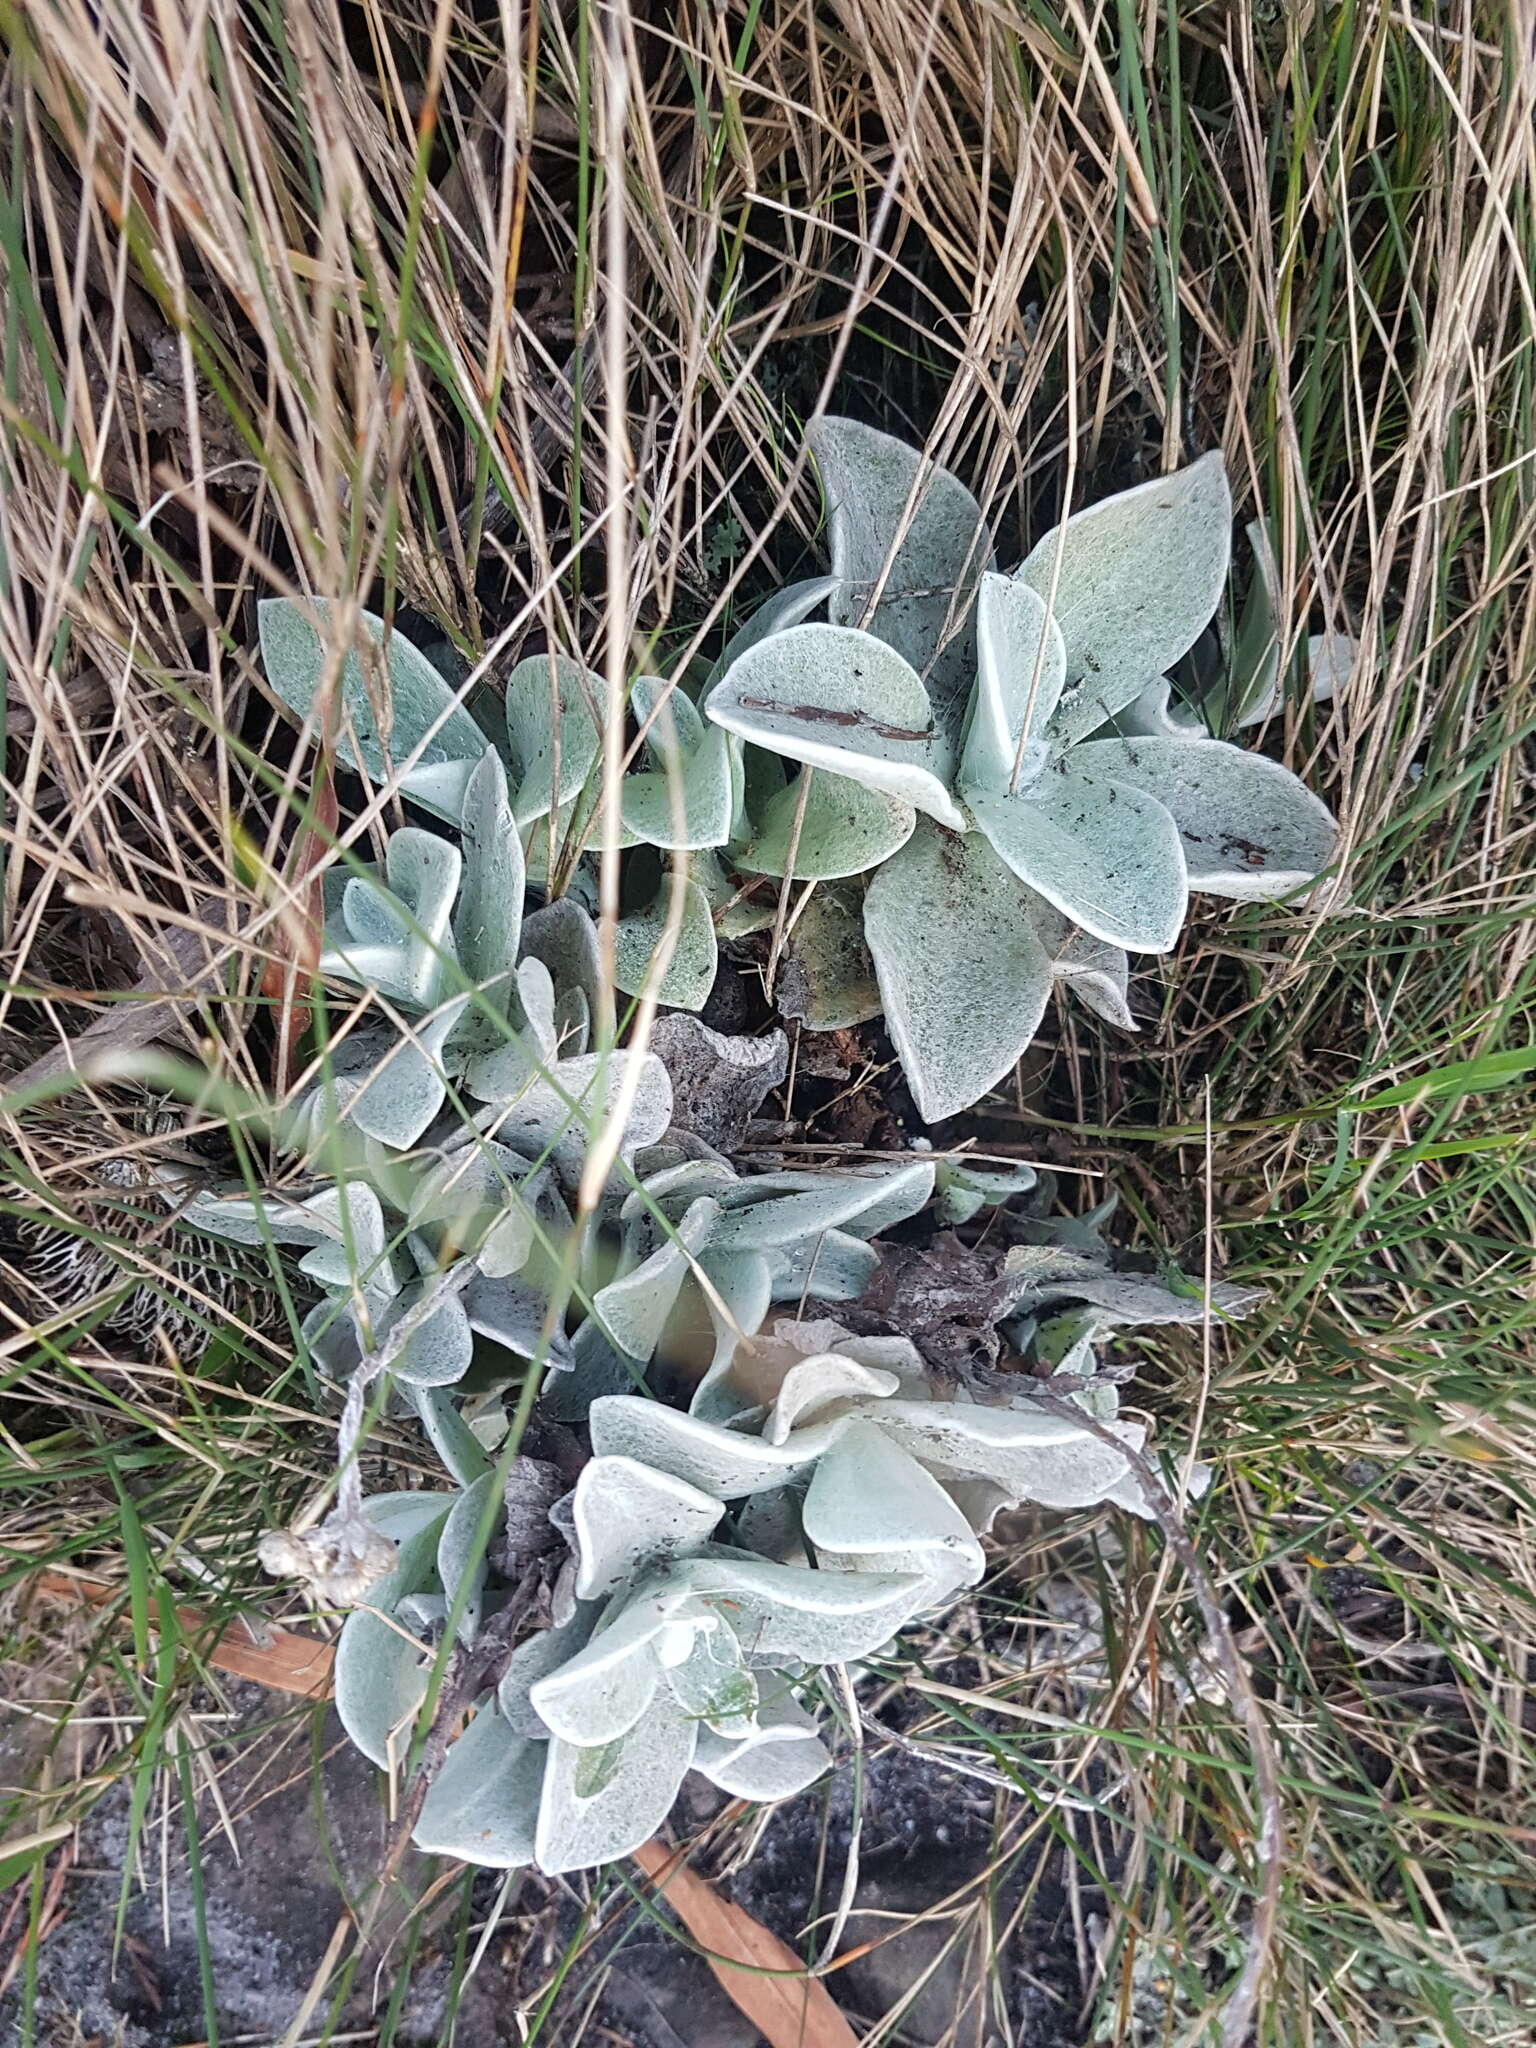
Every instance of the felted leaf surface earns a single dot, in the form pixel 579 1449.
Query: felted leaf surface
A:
pixel 776 1759
pixel 1022 671
pixel 385 718
pixel 686 798
pixel 629 1518
pixel 767 1211
pixel 1107 855
pixel 963 978
pixel 713 1685
pixel 488 924
pixel 1139 577
pixel 782 1611
pixel 832 1266
pixel 787 607
pixel 814 1383
pixel 1097 973
pixel 381 1679
pixel 560 1113
pixel 564 937
pixel 826 975
pixel 843 829
pixel 634 1309
pixel 1061 1467
pixel 551 731
pixel 1250 830
pixel 605 1688
pixel 402 1097
pixel 511 1313
pixel 483 1805
pixel 461 1557
pixel 840 699
pixel 690 973
pixel 437 1350
pixel 871 1507
pixel 932 535
pixel 535 1659
pixel 599 1805
pixel 718 1461
pixel 449 1434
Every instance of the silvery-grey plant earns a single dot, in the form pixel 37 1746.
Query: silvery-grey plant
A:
pixel 1018 836
pixel 819 1495
pixel 995 790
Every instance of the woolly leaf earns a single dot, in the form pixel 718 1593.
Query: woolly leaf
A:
pixel 781 1611
pixel 1107 855
pixel 781 1756
pixel 690 973
pixel 398 704
pixel 843 830
pixel 599 1806
pixel 633 1310
pixel 629 1519
pixel 839 699
pixel 787 607
pixel 871 1507
pixel 889 511
pixel 718 1461
pixel 461 1562
pixel 551 731
pixel 1132 582
pixel 1023 668
pixel 1250 830
pixel 963 978
pixel 483 1805
pixel 488 925
pixel 826 975
pixel 685 799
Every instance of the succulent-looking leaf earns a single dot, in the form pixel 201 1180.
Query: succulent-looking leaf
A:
pixel 1132 582
pixel 1250 830
pixel 719 1461
pixel 461 1562
pixel 1022 671
pixel 562 1111
pixel 403 1095
pixel 833 1266
pixel 780 1757
pixel 535 1659
pixel 814 1385
pixel 871 1506
pixel 633 1309
pixel 629 1519
pixel 436 1350
pixel 768 1211
pixel 418 708
pixel 826 975
pixel 1060 1467
pixel 840 699
pixel 489 920
pixel 483 1805
pixel 596 1808
pixel 1097 973
pixel 963 978
pixel 782 1612
pixel 565 939
pixel 884 513
pixel 380 1674
pixel 738 1298
pixel 514 1315
pixel 449 1434
pixel 787 607
pixel 685 798
pixel 690 973
pixel 551 731
pixel 606 1688
pixel 1106 854
pixel 843 830
pixel 714 1686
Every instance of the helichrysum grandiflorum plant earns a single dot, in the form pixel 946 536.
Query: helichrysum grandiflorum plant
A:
pixel 989 776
